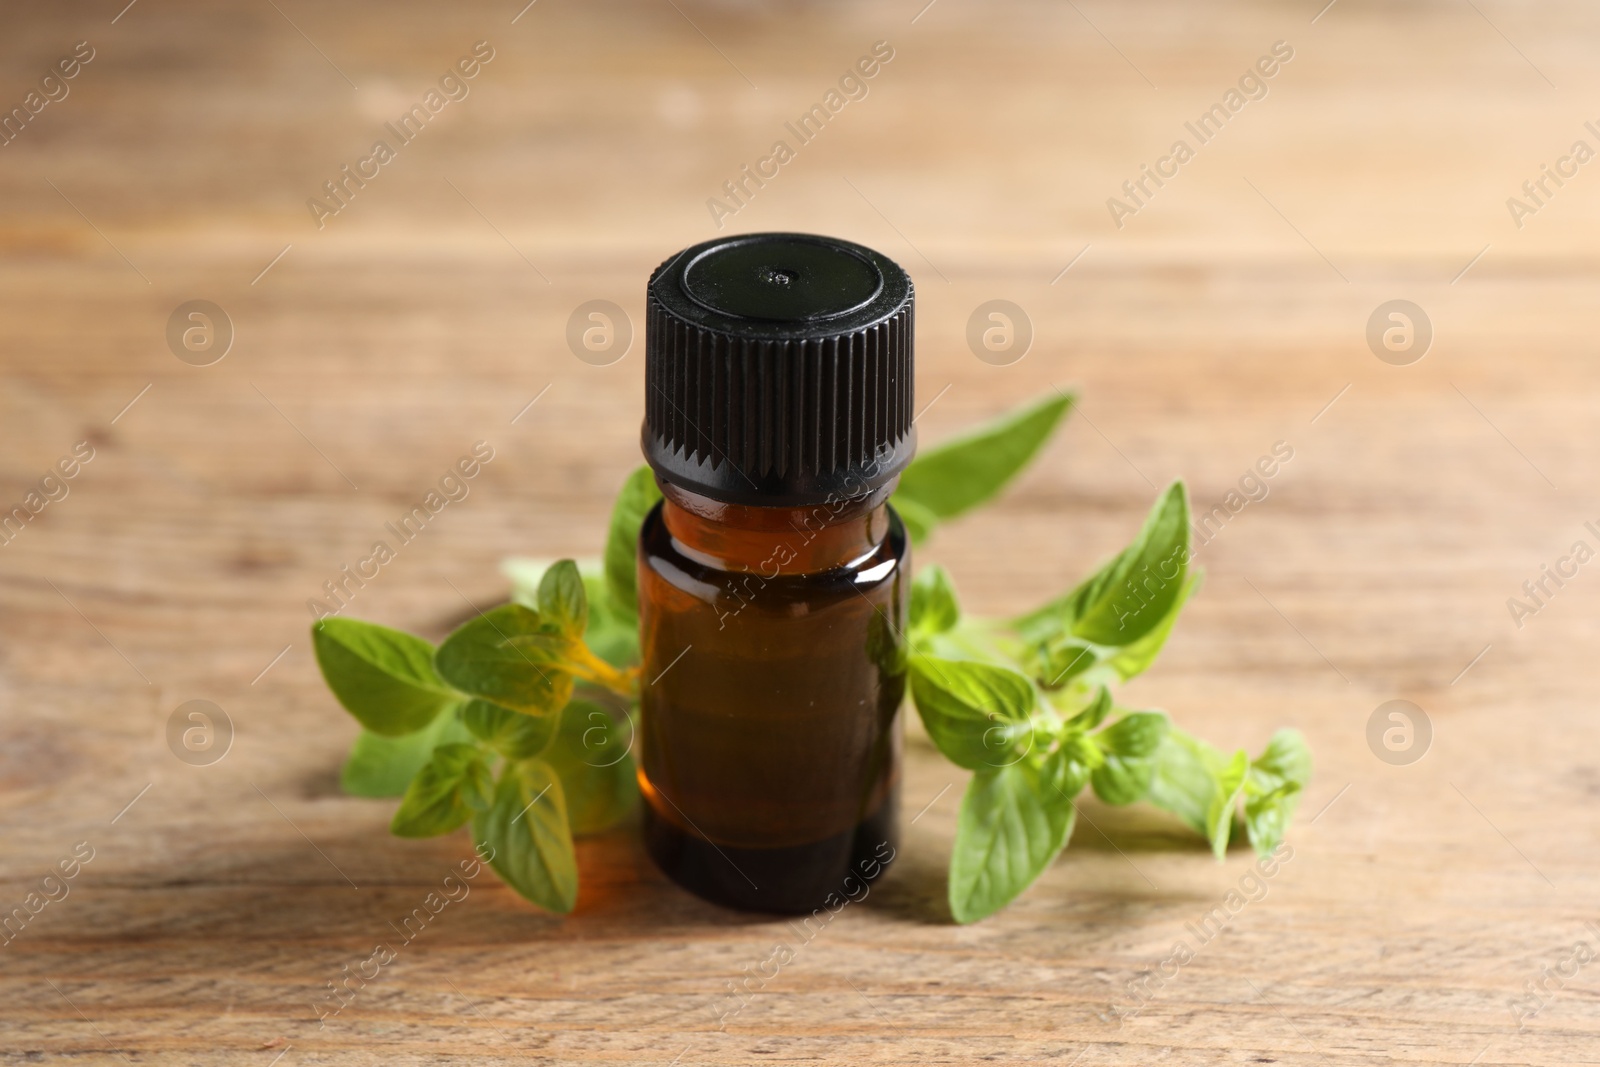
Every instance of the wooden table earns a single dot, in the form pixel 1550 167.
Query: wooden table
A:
pixel 1227 314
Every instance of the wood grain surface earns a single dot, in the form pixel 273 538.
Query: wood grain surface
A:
pixel 1225 315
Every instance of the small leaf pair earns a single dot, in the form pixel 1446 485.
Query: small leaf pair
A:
pixel 1203 787
pixel 1118 618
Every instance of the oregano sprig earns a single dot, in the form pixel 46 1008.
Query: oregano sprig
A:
pixel 1027 704
pixel 520 721
pixel 486 728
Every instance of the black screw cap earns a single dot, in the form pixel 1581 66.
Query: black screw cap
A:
pixel 778 369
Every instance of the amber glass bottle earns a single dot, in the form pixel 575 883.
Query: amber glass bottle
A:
pixel 774 576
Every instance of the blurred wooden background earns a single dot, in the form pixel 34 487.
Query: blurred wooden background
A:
pixel 1227 315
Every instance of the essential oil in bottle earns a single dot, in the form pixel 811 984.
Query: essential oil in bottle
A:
pixel 774 576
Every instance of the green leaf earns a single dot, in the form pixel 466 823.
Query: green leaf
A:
pixel 1136 658
pixel 562 600
pixel 526 572
pixel 591 755
pixel 1267 818
pixel 1138 733
pixel 510 733
pixel 1286 760
pixel 977 714
pixel 1202 787
pixel 1091 716
pixel 1012 824
pixel 1068 769
pixel 1199 785
pixel 509 656
pixel 1130 746
pixel 1225 801
pixel 1062 659
pixel 383 677
pixel 1123 779
pixel 1273 788
pixel 1185 781
pixel 960 474
pixel 453 784
pixel 612 637
pixel 526 827
pixel 381 766
pixel 1131 594
pixel 934 609
pixel 639 494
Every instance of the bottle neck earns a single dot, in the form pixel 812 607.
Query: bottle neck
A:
pixel 776 540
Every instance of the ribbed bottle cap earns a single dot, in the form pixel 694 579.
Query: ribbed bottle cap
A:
pixel 778 369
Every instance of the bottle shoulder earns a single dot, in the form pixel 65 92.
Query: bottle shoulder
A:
pixel 779 562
